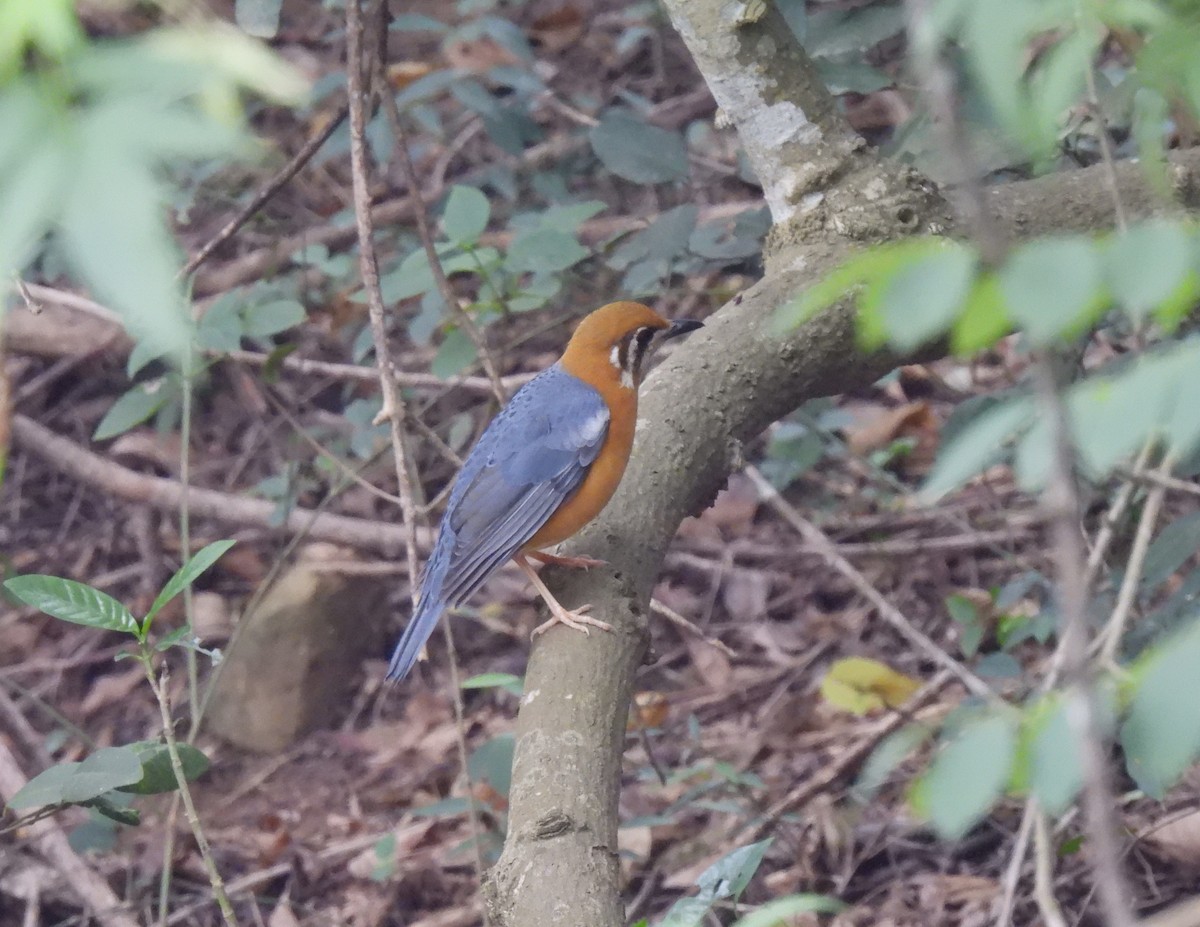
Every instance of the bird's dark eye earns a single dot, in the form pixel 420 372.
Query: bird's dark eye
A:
pixel 644 336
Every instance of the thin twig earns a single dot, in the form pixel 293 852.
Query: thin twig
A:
pixel 159 687
pixel 368 375
pixel 394 409
pixel 1016 862
pixel 1151 478
pixel 938 82
pixel 273 186
pixel 1061 501
pixel 392 111
pixel 1115 512
pixel 817 539
pixel 360 64
pixel 1093 97
pixel 689 627
pixel 1110 638
pixel 1043 871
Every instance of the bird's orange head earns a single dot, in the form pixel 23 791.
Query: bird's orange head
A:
pixel 612 345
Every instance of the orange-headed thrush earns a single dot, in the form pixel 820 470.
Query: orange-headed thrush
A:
pixel 543 468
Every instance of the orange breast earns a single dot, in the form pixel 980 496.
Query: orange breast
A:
pixel 603 477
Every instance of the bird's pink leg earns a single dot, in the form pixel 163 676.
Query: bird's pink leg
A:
pixel 579 563
pixel 559 614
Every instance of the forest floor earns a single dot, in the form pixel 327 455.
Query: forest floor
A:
pixel 361 821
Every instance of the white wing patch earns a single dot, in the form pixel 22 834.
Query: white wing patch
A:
pixel 594 427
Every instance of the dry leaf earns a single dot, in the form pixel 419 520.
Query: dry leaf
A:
pixel 735 506
pixel 145 445
pixel 744 594
pixel 859 685
pixel 282 916
pixel 112 688
pixel 649 710
pixel 879 430
pixel 1178 838
pixel 558 29
pixel 711 664
pixel 403 73
pixel 478 55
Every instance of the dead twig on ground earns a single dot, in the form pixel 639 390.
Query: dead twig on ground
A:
pixel 93 470
pixel 892 615
pixel 855 754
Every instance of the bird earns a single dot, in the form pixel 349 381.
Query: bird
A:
pixel 544 467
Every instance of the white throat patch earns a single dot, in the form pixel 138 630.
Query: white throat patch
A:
pixel 614 357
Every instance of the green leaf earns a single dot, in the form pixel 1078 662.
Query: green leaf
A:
pixel 267 319
pixel 637 151
pixel 466 215
pixel 446 808
pixel 964 613
pixel 1146 265
pixel 976 446
pixel 183 636
pixel 136 406
pixel 1055 773
pixel 968 774
pixel 185 576
pixel 492 763
pixel 113 233
pixel 687 912
pixel 157 775
pixel 1054 287
pixel 73 783
pixel 68 600
pixel 887 755
pixel 922 298
pixel 221 327
pixel 1112 415
pixel 544 251
pixel 506 681
pixel 729 876
pixel 1174 546
pixel 455 354
pixel 778 913
pixel 104 805
pixel 664 239
pixel 1161 736
pixel 869 267
pixel 983 320
pixel 259 18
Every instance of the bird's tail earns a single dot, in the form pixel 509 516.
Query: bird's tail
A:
pixel 429 608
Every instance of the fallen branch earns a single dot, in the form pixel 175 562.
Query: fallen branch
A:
pixel 158 492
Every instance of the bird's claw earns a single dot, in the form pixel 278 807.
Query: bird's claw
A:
pixel 580 563
pixel 577 619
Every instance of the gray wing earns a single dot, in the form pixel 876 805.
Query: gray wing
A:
pixel 530 459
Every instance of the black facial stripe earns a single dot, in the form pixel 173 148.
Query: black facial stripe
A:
pixel 623 353
pixel 644 337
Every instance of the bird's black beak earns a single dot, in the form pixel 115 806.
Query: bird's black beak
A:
pixel 681 327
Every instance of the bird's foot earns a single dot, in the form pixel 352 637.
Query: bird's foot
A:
pixel 577 619
pixel 578 563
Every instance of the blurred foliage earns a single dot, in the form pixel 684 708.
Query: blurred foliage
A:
pixel 1140 284
pixel 90 126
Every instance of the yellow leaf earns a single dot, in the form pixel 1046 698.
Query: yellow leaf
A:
pixel 860 686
